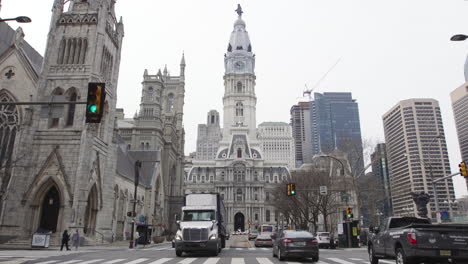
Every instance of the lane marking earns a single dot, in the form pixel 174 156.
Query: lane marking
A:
pixel 137 261
pixel 238 248
pixel 265 249
pixel 264 261
pixel 342 261
pixel 211 261
pixel 357 259
pixel 321 262
pixel 252 249
pixel 160 261
pixel 187 260
pixel 47 262
pixel 91 261
pixel 386 261
pixel 237 261
pixel 71 261
pixel 114 261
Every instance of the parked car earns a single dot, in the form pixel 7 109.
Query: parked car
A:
pixel 416 240
pixel 264 240
pixel 253 235
pixel 292 243
pixel 323 239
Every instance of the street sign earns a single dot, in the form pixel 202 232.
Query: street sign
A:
pixel 142 219
pixel 53 110
pixel 323 190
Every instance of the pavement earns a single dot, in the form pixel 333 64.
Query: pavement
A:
pixel 238 251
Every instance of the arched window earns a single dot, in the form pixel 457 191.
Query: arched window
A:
pixel 170 103
pixel 239 195
pixel 239 153
pixel 255 176
pixel 147 147
pixel 239 87
pixel 54 121
pixel 71 110
pixel 267 215
pixel 129 147
pixel 8 129
pixel 239 173
pixel 142 146
pixel 239 109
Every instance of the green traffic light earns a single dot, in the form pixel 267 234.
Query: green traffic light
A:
pixel 92 108
pixel 293 192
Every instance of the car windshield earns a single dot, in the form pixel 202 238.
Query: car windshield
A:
pixel 405 221
pixel 298 234
pixel 199 215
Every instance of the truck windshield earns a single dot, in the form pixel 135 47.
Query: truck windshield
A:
pixel 405 221
pixel 199 215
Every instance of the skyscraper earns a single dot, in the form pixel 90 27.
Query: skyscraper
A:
pixel 459 98
pixel 380 172
pixel 301 131
pixel 417 152
pixel 335 125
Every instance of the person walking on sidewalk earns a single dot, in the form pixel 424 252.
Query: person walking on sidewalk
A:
pixel 76 239
pixel 65 238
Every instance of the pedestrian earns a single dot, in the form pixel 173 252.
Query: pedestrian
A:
pixel 137 236
pixel 76 239
pixel 65 238
pixel 332 241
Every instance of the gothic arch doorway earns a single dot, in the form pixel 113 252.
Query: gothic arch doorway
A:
pixel 239 220
pixel 91 212
pixel 50 210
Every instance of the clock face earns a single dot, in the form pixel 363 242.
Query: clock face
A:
pixel 239 65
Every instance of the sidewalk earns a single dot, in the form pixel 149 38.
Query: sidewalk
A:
pixel 117 245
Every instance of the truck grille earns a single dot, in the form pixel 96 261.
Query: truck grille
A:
pixel 195 234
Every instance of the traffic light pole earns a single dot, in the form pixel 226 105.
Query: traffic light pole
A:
pixel 137 179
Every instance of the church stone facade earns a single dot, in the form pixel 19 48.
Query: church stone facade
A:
pixel 58 172
pixel 238 170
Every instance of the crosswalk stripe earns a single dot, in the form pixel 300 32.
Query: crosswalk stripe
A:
pixel 47 262
pixel 340 261
pixel 238 248
pixel 71 261
pixel 237 261
pixel 386 261
pixel 160 261
pixel 265 249
pixel 355 259
pixel 114 261
pixel 264 261
pixel 211 261
pixel 252 248
pixel 91 261
pixel 321 262
pixel 187 260
pixel 137 261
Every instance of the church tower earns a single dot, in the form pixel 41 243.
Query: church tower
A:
pixel 65 180
pixel 239 81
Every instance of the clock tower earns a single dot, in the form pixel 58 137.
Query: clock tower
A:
pixel 239 82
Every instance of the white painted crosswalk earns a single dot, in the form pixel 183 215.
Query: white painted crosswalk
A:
pixel 205 260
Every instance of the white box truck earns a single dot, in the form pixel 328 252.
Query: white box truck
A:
pixel 202 226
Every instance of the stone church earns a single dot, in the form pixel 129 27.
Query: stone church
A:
pixel 231 160
pixel 57 172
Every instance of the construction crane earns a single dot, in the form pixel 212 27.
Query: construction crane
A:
pixel 308 91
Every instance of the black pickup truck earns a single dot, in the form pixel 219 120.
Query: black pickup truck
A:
pixel 411 240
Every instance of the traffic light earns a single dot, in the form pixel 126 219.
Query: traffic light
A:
pixel 95 102
pixel 463 170
pixel 349 212
pixel 293 189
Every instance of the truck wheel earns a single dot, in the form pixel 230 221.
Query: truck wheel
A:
pixel 315 259
pixel 178 253
pixel 400 257
pixel 223 242
pixel 372 258
pixel 216 251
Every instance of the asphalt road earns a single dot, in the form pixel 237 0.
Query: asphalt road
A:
pixel 165 254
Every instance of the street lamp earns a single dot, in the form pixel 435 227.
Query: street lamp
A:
pixel 20 19
pixel 333 158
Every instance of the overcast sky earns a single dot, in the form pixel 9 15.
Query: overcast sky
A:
pixel 387 51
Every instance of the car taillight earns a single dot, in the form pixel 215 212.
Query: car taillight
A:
pixel 267 239
pixel 285 241
pixel 313 241
pixel 412 238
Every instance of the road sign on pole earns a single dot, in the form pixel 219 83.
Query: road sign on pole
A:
pixel 323 190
